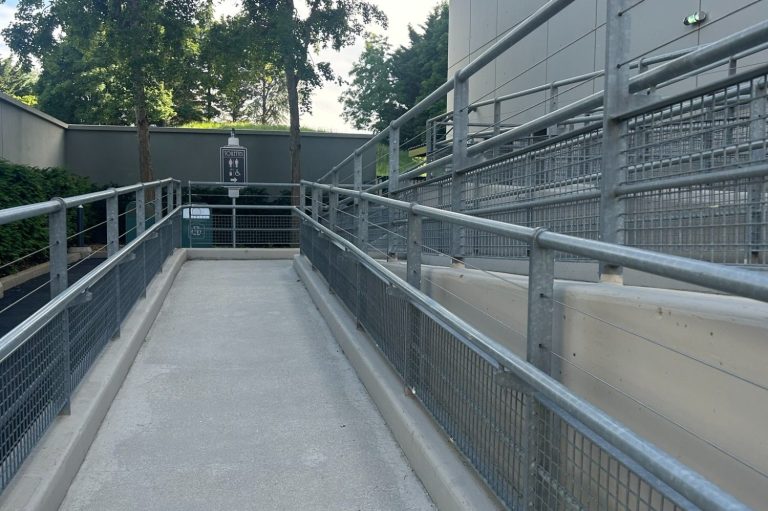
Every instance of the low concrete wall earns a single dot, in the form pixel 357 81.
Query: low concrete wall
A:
pixel 30 137
pixel 650 344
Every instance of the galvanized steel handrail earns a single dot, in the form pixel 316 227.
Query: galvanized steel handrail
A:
pixel 681 478
pixel 26 211
pixel 16 337
pixel 727 279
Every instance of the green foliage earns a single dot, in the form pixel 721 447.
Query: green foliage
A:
pixel 242 125
pixel 370 101
pixel 241 80
pixel 407 161
pixel 385 84
pixel 17 82
pixel 20 185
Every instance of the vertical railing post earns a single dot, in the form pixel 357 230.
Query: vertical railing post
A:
pixel 113 225
pixel 612 208
pixel 541 281
pixel 496 124
pixel 553 105
pixel 57 239
pixel 459 160
pixel 413 277
pixel 141 226
pixel 394 159
pixel 141 221
pixel 757 188
pixel 542 446
pixel 234 222
pixel 394 184
pixel 333 199
pixel 358 182
pixel 80 226
pixel 303 198
pixel 362 225
pixel 316 204
pixel 113 246
pixel 158 203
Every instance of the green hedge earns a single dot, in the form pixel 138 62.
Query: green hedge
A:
pixel 20 185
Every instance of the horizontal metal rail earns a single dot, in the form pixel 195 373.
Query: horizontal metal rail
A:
pixel 17 213
pixel 678 476
pixel 242 185
pixel 16 337
pixel 736 281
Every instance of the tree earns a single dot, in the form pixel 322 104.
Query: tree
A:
pixel 328 23
pixel 370 102
pixel 130 44
pixel 385 84
pixel 17 82
pixel 242 82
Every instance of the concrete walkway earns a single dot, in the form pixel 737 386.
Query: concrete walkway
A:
pixel 240 399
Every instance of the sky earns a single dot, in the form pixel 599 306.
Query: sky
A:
pixel 326 108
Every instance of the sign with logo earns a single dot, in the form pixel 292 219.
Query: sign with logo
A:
pixel 234 164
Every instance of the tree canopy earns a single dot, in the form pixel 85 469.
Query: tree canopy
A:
pixel 325 24
pixel 386 83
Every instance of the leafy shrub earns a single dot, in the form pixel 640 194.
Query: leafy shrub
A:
pixel 19 185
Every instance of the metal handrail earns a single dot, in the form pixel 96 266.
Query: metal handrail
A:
pixel 681 478
pixel 16 337
pixel 727 279
pixel 26 211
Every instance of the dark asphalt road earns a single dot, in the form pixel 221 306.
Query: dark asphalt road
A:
pixel 26 307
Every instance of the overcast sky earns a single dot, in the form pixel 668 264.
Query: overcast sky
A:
pixel 326 109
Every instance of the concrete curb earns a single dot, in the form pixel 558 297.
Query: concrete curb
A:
pixel 450 482
pixel 234 254
pixel 43 481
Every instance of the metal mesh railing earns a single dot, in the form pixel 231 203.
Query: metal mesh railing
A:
pixel 532 454
pixel 38 376
pixel 220 229
pixel 719 215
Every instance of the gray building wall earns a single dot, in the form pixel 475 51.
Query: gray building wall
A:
pixel 109 154
pixel 573 43
pixel 29 136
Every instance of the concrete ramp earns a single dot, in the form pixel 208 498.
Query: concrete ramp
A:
pixel 241 399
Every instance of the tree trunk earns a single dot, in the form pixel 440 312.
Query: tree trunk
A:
pixel 142 127
pixel 292 82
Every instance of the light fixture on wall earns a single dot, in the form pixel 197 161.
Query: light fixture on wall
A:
pixel 695 18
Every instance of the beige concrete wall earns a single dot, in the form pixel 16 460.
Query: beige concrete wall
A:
pixel 30 137
pixel 634 349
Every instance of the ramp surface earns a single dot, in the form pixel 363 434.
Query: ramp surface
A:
pixel 241 399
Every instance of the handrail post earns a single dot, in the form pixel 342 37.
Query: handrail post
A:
pixel 158 203
pixel 541 281
pixel 57 238
pixel 413 277
pixel 496 124
pixel 113 226
pixel 141 221
pixel 394 159
pixel 303 197
pixel 362 225
pixel 358 179
pixel 459 159
pixel 316 199
pixel 757 188
pixel 333 200
pixel 616 97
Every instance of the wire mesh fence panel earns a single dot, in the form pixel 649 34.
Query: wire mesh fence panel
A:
pixel 35 386
pixel 153 256
pixel 92 324
pixel 132 283
pixel 721 218
pixel 266 231
pixel 532 454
